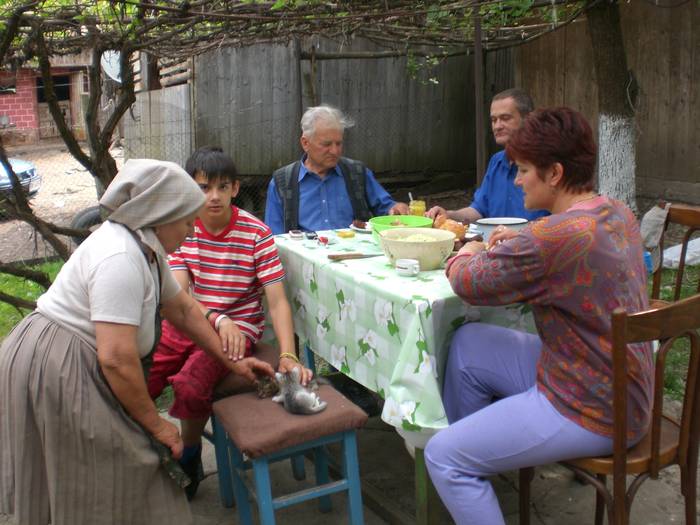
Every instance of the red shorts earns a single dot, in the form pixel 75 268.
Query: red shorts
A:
pixel 192 373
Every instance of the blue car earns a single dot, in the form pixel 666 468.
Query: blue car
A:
pixel 27 174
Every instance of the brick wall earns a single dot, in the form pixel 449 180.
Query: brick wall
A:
pixel 21 107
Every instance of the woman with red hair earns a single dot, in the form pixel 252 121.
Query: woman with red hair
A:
pixel 514 399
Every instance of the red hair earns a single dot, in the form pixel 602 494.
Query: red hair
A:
pixel 561 135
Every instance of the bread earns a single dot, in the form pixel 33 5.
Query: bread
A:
pixel 455 227
pixel 439 221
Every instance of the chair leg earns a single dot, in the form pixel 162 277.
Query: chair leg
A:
pixel 620 514
pixel 239 488
pixel 526 475
pixel 689 488
pixel 352 473
pixel 321 469
pixel 599 502
pixel 263 491
pixel 223 464
pixel 298 469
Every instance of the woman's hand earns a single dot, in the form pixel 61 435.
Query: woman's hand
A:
pixel 472 248
pixel 169 435
pixel 232 339
pixel 251 368
pixel 287 365
pixel 501 234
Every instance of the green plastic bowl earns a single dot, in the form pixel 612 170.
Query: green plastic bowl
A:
pixel 384 222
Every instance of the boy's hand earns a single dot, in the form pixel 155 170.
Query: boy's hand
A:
pixel 232 339
pixel 287 365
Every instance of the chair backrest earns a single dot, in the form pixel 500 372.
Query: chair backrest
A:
pixel 685 216
pixel 668 324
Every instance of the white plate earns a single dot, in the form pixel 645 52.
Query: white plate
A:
pixel 366 229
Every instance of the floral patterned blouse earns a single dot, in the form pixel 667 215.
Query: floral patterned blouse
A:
pixel 574 268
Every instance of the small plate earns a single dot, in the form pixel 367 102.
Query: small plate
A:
pixel 366 229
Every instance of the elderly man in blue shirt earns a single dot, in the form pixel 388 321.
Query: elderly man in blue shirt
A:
pixel 324 190
pixel 498 196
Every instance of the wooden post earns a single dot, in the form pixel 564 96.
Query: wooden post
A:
pixel 479 98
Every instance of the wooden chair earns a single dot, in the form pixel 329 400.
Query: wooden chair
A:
pixel 668 442
pixel 688 217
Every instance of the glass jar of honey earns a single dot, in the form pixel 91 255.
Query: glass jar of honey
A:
pixel 416 208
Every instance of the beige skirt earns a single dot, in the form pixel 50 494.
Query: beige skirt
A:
pixel 69 453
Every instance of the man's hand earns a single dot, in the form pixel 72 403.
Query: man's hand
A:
pixel 232 339
pixel 435 211
pixel 251 368
pixel 400 208
pixel 287 365
pixel 169 435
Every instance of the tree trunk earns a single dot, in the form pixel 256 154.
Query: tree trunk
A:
pixel 616 122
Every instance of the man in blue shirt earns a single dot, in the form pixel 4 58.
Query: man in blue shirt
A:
pixel 498 196
pixel 325 191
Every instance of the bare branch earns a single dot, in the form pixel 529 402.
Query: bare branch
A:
pixel 41 278
pixel 17 302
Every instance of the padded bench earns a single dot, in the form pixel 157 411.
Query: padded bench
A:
pixel 250 433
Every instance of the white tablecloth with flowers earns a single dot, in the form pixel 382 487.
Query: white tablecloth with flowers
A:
pixel 388 332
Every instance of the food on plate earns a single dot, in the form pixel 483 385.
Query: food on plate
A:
pixel 357 223
pixel 418 237
pixel 397 222
pixel 345 234
pixel 455 227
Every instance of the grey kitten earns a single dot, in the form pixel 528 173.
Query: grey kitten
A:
pixel 296 398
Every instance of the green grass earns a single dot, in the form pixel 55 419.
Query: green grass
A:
pixel 17 287
pixel 677 360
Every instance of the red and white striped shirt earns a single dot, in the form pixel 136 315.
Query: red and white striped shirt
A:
pixel 228 271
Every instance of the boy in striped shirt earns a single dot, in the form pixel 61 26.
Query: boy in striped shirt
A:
pixel 228 264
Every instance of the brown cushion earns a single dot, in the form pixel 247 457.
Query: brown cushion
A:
pixel 261 426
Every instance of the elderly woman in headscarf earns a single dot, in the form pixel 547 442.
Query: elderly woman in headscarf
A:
pixel 80 435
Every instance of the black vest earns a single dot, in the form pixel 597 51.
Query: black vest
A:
pixel 287 183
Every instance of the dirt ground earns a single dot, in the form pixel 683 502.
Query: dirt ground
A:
pixel 66 189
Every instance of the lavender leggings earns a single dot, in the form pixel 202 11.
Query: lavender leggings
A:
pixel 521 429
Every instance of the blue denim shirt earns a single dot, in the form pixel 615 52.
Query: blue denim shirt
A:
pixel 324 204
pixel 498 196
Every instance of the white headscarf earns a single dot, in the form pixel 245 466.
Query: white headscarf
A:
pixel 147 193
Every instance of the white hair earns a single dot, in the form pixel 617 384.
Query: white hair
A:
pixel 332 117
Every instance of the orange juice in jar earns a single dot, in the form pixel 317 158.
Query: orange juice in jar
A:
pixel 416 208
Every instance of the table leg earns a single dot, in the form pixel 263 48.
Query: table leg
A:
pixel 429 507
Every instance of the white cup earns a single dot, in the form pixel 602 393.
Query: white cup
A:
pixel 407 267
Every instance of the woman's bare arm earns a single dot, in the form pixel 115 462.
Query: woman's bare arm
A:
pixel 119 360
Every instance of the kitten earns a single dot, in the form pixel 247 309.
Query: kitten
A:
pixel 296 398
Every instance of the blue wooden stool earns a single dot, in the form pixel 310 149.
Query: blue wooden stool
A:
pixel 250 433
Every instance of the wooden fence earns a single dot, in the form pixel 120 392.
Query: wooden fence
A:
pixel 663 53
pixel 159 126
pixel 250 101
